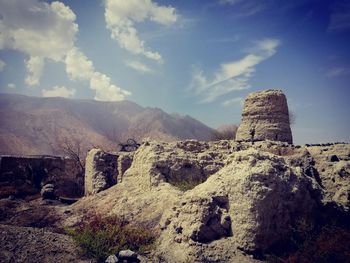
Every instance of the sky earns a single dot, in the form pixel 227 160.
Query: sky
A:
pixel 194 57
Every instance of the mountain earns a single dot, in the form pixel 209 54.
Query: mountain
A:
pixel 33 125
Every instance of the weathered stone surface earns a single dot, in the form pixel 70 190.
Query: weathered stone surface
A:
pixel 124 162
pixel 112 259
pixel 335 176
pixel 240 204
pixel 100 171
pixel 127 255
pixel 48 192
pixel 24 175
pixel 243 197
pixel 32 245
pixel 265 116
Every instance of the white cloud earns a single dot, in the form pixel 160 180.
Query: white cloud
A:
pixel 11 86
pixel 121 17
pixel 338 71
pixel 233 102
pixel 138 66
pixel 78 66
pixel 37 28
pixel 233 75
pixel 58 91
pixel 2 65
pixel 34 67
pixel 48 31
pixel 105 90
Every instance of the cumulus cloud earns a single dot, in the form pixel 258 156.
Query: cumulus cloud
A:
pixel 47 31
pixel 234 75
pixel 58 91
pixel 121 17
pixel 105 90
pixel 2 65
pixel 138 66
pixel 34 67
pixel 37 28
pixel 78 66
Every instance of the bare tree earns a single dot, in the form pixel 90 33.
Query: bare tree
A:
pixel 225 132
pixel 73 148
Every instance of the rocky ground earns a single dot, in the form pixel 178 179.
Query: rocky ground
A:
pixel 212 201
pixel 30 232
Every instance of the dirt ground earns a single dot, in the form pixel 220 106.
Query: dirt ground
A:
pixel 30 232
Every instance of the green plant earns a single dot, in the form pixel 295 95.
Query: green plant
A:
pixel 100 236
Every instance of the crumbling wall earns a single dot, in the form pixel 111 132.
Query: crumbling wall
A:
pixel 104 169
pixel 24 175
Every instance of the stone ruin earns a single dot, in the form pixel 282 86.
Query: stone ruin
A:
pixel 265 117
pixel 103 169
pixel 240 197
pixel 25 175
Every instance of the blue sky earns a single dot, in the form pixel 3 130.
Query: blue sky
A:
pixel 194 57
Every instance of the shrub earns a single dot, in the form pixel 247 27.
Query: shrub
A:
pixel 99 237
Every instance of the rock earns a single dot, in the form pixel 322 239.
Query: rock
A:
pixel 243 197
pixel 112 259
pixel 240 205
pixel 48 192
pixel 100 171
pixel 333 158
pixel 32 245
pixel 265 117
pixel 124 163
pixel 335 176
pixel 128 255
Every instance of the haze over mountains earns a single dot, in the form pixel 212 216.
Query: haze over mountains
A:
pixel 33 125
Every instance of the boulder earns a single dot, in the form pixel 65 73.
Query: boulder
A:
pixel 112 259
pixel 333 158
pixel 127 255
pixel 265 117
pixel 48 192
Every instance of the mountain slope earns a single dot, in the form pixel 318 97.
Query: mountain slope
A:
pixel 32 125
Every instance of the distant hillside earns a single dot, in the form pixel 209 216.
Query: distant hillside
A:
pixel 32 125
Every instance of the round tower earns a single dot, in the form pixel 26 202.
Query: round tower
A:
pixel 265 116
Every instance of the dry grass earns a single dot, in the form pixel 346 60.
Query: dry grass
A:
pixel 99 237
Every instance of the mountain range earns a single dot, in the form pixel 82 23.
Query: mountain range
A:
pixel 37 125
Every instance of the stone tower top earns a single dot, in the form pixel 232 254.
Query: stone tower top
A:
pixel 265 116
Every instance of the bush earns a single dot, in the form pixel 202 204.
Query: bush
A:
pixel 99 237
pixel 225 132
